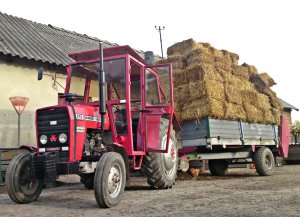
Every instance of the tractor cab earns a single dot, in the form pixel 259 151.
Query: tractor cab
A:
pixel 137 96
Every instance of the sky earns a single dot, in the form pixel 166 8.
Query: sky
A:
pixel 265 33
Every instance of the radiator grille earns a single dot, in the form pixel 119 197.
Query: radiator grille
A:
pixel 52 122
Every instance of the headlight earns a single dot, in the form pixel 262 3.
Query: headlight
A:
pixel 62 138
pixel 43 139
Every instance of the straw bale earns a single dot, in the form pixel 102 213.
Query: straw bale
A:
pixel 216 52
pixel 198 109
pixel 201 72
pixel 276 113
pixel 223 60
pixel 233 94
pixel 263 102
pixel 207 89
pixel 259 84
pixel 178 110
pixel 223 66
pixel 249 97
pixel 199 55
pixel 182 94
pixel 276 103
pixel 224 74
pixel 222 56
pixel 253 114
pixel 237 82
pixel 198 50
pixel 268 117
pixel 182 47
pixel 240 71
pixel 179 78
pixel 267 79
pixel 247 85
pixel 226 53
pixel 200 59
pixel 176 60
pixel 234 112
pixel 177 107
pixel 260 101
pixel 274 100
pixel 251 69
pixel 234 58
pixel 205 44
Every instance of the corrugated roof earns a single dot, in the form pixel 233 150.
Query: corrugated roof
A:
pixel 287 105
pixel 46 43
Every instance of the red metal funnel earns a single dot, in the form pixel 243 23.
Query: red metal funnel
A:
pixel 19 103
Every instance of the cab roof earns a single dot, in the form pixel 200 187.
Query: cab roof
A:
pixel 107 52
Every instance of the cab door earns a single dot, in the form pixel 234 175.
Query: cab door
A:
pixel 157 107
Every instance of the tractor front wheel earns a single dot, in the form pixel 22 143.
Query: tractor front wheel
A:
pixel 161 168
pixel 109 180
pixel 21 187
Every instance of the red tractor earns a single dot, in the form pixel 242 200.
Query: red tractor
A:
pixel 120 121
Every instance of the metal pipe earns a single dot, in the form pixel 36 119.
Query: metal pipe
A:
pixel 19 128
pixel 102 90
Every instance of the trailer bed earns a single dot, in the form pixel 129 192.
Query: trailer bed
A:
pixel 209 132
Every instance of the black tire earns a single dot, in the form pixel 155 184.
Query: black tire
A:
pixel 87 180
pixel 264 161
pixel 218 167
pixel 110 179
pixel 20 187
pixel 161 168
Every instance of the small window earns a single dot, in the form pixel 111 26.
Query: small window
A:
pixel 152 95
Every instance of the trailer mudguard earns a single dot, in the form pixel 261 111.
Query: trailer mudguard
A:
pixel 284 135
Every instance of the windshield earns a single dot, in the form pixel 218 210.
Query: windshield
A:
pixel 114 76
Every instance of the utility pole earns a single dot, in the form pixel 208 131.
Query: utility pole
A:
pixel 161 46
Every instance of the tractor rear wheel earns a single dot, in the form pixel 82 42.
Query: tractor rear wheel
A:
pixel 87 180
pixel 161 168
pixel 264 161
pixel 110 179
pixel 218 167
pixel 21 188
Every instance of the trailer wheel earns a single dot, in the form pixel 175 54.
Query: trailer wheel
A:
pixel 218 167
pixel 87 180
pixel 21 188
pixel 109 181
pixel 264 161
pixel 161 168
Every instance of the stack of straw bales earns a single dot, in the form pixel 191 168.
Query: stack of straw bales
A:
pixel 209 82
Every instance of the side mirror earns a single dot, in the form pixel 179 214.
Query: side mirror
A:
pixel 40 73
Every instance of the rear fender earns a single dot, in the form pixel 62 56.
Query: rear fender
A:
pixel 284 135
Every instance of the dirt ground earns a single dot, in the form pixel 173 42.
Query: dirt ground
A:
pixel 241 193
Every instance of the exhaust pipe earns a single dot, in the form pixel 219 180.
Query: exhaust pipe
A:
pixel 102 90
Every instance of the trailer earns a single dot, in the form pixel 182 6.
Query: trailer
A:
pixel 224 142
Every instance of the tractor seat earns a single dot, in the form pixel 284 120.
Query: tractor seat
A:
pixel 121 121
